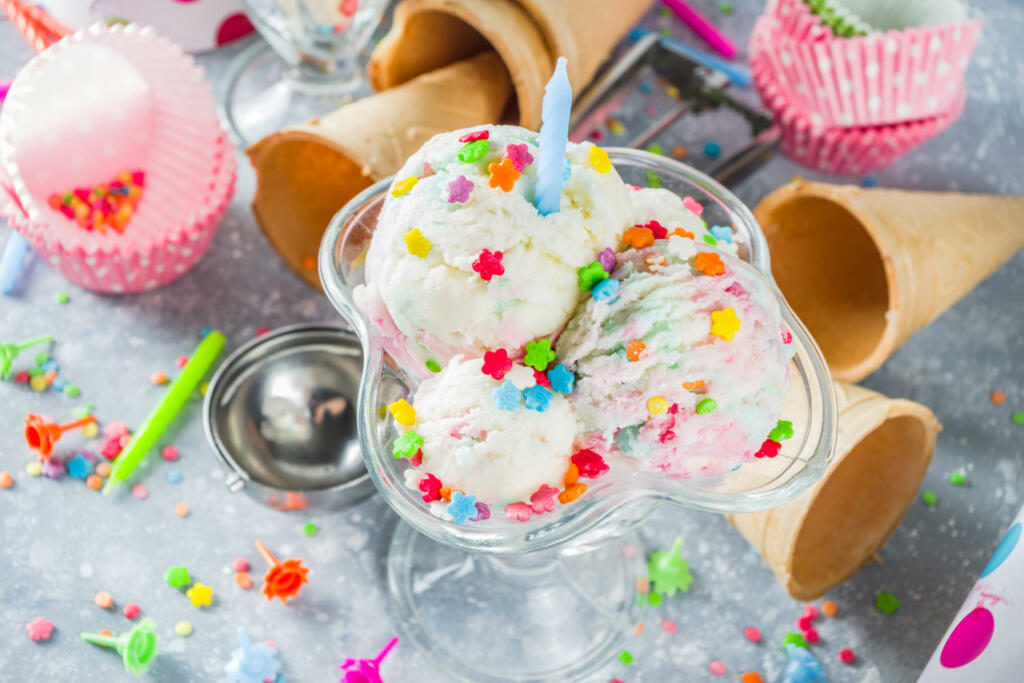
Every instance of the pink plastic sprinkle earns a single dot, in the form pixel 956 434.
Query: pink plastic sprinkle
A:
pixel 691 204
pixel 131 611
pixel 475 135
pixel 39 628
pixel 519 154
pixel 811 611
pixel 240 564
pixel 22 377
pixel 804 623
pixel 752 634
pixel 180 361
pixel 847 656
pixel 518 512
pixel 811 635
pixel 787 337
pixel 669 626
pixel 115 429
pixel 169 453
pixel 544 499
pixel 140 491
pixel 717 667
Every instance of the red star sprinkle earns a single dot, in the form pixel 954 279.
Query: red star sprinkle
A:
pixel 541 378
pixel 431 488
pixel 769 449
pixel 659 230
pixel 590 464
pixel 488 264
pixel 475 135
pixel 496 363
pixel 503 174
pixel 543 499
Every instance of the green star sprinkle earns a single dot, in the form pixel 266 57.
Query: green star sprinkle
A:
pixel 539 353
pixel 82 411
pixel 957 479
pixel 725 8
pixel 794 639
pixel 930 498
pixel 309 529
pixel 407 444
pixel 711 240
pixel 626 657
pixel 668 571
pixel 590 275
pixel 653 599
pixel 71 390
pixel 177 577
pixel 706 405
pixel 783 430
pixel 473 151
pixel 886 603
pixel 1018 418
pixel 433 365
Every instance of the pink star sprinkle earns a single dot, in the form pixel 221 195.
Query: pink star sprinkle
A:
pixel 541 379
pixel 431 488
pixel 518 512
pixel 590 464
pixel 475 135
pixel 669 626
pixel 519 154
pixel 459 189
pixel 39 628
pixel 691 204
pixel 488 264
pixel 496 363
pixel 787 337
pixel 543 499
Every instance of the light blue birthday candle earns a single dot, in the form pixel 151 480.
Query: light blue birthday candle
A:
pixel 554 134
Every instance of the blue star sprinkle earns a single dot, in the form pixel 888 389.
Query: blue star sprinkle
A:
pixel 722 233
pixel 562 380
pixel 462 507
pixel 605 290
pixel 79 467
pixel 537 398
pixel 507 396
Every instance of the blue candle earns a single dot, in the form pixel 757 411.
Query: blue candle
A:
pixel 554 134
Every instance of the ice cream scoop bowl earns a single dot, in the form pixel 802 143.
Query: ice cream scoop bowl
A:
pixel 546 598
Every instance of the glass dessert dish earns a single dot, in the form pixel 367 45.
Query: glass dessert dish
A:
pixel 553 597
pixel 307 65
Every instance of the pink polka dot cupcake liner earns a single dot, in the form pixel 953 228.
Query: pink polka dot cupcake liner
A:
pixel 878 79
pixel 99 102
pixel 843 151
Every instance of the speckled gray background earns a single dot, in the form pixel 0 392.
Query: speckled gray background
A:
pixel 61 542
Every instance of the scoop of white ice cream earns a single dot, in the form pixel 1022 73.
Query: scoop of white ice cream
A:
pixel 420 264
pixel 499 456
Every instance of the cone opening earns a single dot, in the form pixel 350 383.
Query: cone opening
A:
pixel 860 504
pixel 833 275
pixel 302 184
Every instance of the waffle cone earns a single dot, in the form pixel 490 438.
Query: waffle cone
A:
pixel 826 535
pixel 866 268
pixel 306 173
pixel 528 35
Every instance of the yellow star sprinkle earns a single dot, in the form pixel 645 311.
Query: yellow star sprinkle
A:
pixel 416 243
pixel 657 405
pixel 724 323
pixel 599 159
pixel 200 594
pixel 404 185
pixel 403 413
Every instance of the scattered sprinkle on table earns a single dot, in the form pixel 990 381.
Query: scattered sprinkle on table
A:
pixel 181 509
pixel 177 576
pixel 158 378
pixel 174 475
pixel 309 529
pixel 957 479
pixel 639 630
pixel 997 397
pixel 725 8
pixel 886 603
pixel 183 628
pixel 930 498
pixel 751 677
pixel 94 481
pixel 1018 418
pixel 240 564
pixel 39 629
pixel 752 634
pixel 828 608
pixel 61 297
pixel 716 667
pixel 180 361
pixel 626 657
pixel 90 430
pixel 669 626
pixel 140 491
pixel 34 468
pixel 243 580
pixel 200 594
pixel 169 453
pixel 847 656
pixel 712 149
pixel 131 611
pixel 794 639
pixel 103 469
pixel 103 600
pixel 6 480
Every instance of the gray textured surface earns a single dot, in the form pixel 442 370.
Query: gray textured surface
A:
pixel 62 542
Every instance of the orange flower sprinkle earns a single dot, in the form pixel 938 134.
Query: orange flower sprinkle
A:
pixel 572 475
pixel 636 350
pixel 638 236
pixel 571 493
pixel 709 263
pixel 446 493
pixel 682 233
pixel 503 174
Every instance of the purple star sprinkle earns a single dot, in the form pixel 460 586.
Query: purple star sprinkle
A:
pixel 519 154
pixel 482 512
pixel 459 189
pixel 607 259
pixel 54 467
pixel 736 289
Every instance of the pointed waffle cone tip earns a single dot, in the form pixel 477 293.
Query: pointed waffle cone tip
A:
pixel 306 173
pixel 822 538
pixel 866 268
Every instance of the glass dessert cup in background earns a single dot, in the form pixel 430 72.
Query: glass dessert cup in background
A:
pixel 307 65
pixel 554 598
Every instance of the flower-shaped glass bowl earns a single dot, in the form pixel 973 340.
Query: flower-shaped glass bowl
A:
pixel 626 494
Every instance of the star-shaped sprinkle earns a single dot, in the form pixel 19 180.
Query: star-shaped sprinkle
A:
pixel 607 259
pixel 537 398
pixel 488 264
pixel 769 449
pixel 417 459
pixel 79 467
pixel 519 154
pixel 590 275
pixel 496 363
pixel 404 186
pixel 691 204
pixel 507 396
pixel 802 667
pixel 482 512
pixel 638 237
pixel 403 413
pixel 887 603
pixel 659 231
pixel 543 499
pixel 539 354
pixel 416 243
pixel 599 159
pixel 474 151
pixel 589 464
pixel 503 174
pixel 709 263
pixel 668 571
pixel 431 488
pixel 783 430
pixel 39 628
pixel 722 233
pixel 561 378
pixel 475 135
pixel 177 577
pixel 518 512
pixel 462 507
pixel 606 290
pixel 407 444
pixel 724 323
pixel 682 233
pixel 200 594
pixel 459 189
pixel 571 493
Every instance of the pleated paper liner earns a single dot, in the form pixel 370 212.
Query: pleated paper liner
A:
pixel 100 101
pixel 795 19
pixel 878 79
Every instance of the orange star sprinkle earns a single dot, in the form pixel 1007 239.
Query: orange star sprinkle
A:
pixel 709 263
pixel 681 233
pixel 503 174
pixel 636 350
pixel 638 236
pixel 571 493
pixel 572 475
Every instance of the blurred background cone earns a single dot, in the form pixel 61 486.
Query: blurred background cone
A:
pixel 866 268
pixel 826 535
